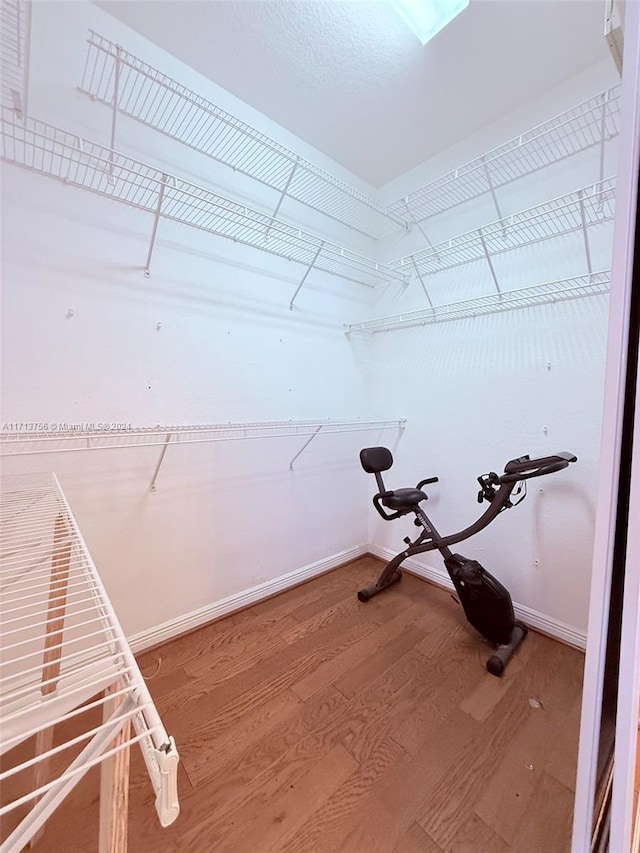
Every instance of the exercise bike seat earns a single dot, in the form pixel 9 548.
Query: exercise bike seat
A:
pixel 401 499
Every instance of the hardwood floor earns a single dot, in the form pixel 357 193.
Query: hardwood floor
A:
pixel 312 723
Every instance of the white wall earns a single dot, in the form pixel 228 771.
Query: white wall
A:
pixel 480 391
pixel 226 516
pixel 229 516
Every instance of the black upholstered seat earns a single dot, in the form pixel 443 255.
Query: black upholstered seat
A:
pixel 404 499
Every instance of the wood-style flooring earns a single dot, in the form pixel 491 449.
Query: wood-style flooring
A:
pixel 312 723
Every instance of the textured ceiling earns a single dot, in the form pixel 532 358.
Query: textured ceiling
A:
pixel 352 80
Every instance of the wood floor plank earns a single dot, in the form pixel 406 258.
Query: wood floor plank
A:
pixel 325 829
pixel 276 757
pixel 268 820
pixel 507 794
pixel 546 825
pixel 366 722
pixel 208 751
pixel 490 691
pixel 563 764
pixel 474 836
pixel 461 787
pixel 362 672
pixel 254 686
pixel 251 760
pixel 416 840
pixel 197 645
pixel 395 802
pixel 345 667
pixel 457 670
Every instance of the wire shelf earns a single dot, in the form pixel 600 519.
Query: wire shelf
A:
pixel 555 291
pixel 15 39
pixel 572 212
pixel 157 101
pixel 584 126
pixel 65 438
pixel 49 150
pixel 62 646
pixel 85 437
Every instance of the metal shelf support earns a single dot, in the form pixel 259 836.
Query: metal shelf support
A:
pixel 160 461
pixel 304 277
pixel 488 257
pixel 304 446
pixel 282 197
pixel 156 220
pixel 585 233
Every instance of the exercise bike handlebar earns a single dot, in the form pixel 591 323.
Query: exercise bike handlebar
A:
pixel 526 468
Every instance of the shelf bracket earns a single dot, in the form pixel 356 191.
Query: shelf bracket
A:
pixel 603 131
pixel 493 192
pixel 116 99
pixel 160 461
pixel 488 257
pixel 154 230
pixel 282 197
pixel 420 279
pixel 304 446
pixel 414 221
pixel 304 277
pixel 585 233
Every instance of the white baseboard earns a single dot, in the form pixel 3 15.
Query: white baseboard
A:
pixel 188 621
pixel 534 619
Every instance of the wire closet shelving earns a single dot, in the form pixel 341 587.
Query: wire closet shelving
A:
pixel 576 211
pixel 130 86
pixel 15 39
pixel 28 443
pixel 49 150
pixel 65 659
pixel 591 123
pixel 525 297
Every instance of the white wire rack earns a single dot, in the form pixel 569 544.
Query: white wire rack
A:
pixel 83 437
pixel 62 649
pixel 15 40
pixel 130 86
pixel 555 291
pixel 49 150
pixel 576 211
pixel 591 123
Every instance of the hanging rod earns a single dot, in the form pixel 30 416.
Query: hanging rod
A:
pixel 123 82
pixel 592 122
pixel 51 151
pixel 575 211
pixel 555 291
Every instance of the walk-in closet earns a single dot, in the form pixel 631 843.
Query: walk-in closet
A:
pixel 242 242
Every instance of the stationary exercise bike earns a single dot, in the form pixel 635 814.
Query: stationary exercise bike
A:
pixel 486 603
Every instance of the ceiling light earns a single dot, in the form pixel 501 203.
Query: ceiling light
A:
pixel 426 18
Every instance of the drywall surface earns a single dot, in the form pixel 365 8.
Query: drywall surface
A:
pixel 208 338
pixel 481 390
